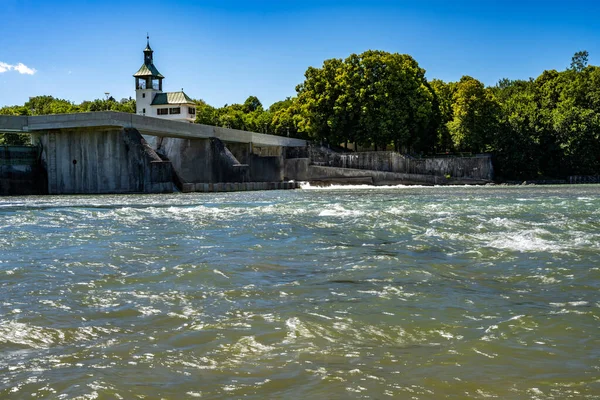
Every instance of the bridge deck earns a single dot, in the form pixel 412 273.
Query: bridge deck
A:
pixel 146 126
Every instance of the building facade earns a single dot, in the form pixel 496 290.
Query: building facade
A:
pixel 150 98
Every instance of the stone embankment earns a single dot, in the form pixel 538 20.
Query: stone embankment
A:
pixel 319 165
pixel 584 179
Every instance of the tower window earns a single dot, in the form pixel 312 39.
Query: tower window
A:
pixel 144 111
pixel 162 111
pixel 143 95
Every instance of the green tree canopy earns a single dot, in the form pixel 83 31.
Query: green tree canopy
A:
pixel 374 97
pixel 475 115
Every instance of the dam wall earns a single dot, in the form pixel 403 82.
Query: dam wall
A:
pixel 201 160
pixel 214 161
pixel 105 152
pixel 478 168
pixel 301 169
pixel 109 160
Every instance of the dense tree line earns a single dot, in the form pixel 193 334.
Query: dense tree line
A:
pixel 543 127
pixel 282 118
pixel 548 127
pixel 43 105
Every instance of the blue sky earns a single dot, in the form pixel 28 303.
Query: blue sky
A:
pixel 222 51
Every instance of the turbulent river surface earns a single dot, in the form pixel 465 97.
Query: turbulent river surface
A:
pixel 336 293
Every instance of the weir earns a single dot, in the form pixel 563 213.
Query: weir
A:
pixel 111 152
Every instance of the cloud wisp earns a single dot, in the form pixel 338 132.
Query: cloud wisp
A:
pixel 20 68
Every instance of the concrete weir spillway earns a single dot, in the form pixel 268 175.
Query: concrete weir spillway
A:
pixel 110 152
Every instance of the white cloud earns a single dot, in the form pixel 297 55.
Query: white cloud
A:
pixel 20 68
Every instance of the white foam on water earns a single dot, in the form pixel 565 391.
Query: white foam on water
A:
pixel 216 271
pixel 524 241
pixel 246 346
pixel 337 210
pixel 308 186
pixel 28 335
pixel 586 240
pixel 503 222
pixel 296 330
pixel 558 304
pixel 399 210
pixel 148 310
pixel 578 303
pixel 547 280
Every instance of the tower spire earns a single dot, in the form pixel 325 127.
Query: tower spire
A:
pixel 148 51
pixel 147 75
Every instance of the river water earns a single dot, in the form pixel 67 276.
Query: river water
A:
pixel 337 293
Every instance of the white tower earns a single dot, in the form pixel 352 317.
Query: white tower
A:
pixel 148 82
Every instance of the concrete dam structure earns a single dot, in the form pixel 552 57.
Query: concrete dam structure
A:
pixel 110 152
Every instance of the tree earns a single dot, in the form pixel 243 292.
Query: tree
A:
pixel 205 113
pixel 252 104
pixel 579 61
pixel 42 105
pixel 516 146
pixel 475 116
pixel 444 94
pixel 278 105
pixel 232 116
pixel 550 126
pixel 371 98
pixel 317 97
pixel 286 118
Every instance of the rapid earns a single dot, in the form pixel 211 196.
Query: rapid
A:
pixel 329 293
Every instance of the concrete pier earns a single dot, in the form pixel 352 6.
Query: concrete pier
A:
pixel 109 160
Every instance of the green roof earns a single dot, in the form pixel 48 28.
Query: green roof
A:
pixel 171 98
pixel 148 70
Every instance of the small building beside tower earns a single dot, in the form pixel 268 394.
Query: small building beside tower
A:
pixel 150 98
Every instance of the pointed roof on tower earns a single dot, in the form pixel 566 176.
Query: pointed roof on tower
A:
pixel 148 48
pixel 148 69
